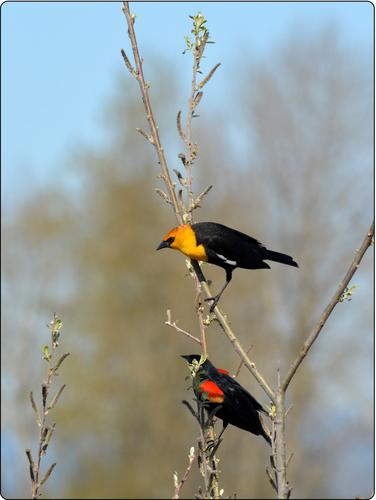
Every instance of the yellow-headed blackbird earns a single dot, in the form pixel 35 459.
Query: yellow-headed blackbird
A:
pixel 226 398
pixel 222 246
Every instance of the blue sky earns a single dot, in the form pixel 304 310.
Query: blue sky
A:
pixel 60 60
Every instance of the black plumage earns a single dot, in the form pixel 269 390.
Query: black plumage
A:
pixel 229 249
pixel 239 407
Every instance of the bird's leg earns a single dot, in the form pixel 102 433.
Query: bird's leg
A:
pixel 211 416
pixel 213 446
pixel 218 296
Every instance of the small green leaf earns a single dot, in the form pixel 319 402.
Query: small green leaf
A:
pixel 347 294
pixel 58 324
pixel 55 324
pixel 46 353
pixel 273 411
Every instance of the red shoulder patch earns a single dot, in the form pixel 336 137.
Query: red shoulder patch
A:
pixel 226 372
pixel 214 393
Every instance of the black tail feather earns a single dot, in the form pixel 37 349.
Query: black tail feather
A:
pixel 264 431
pixel 267 438
pixel 280 257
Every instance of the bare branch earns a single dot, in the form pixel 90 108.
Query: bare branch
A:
pixel 180 129
pixel 128 63
pixel 280 445
pixel 196 100
pixel 201 47
pixel 271 479
pixel 149 113
pixel 180 177
pixel 36 411
pixel 191 410
pixel 59 362
pixel 238 347
pixel 242 362
pixel 207 78
pixel 46 431
pixel 179 484
pixel 31 464
pixel 48 473
pixel 197 201
pixel 44 394
pixel 183 160
pixel 329 308
pixel 148 137
pixel 55 399
pixel 178 329
pixel 289 409
pixel 163 195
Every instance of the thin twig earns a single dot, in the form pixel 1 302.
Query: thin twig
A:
pixel 271 479
pixel 289 459
pixel 192 457
pixel 283 487
pixel 191 148
pixel 239 349
pixel 149 113
pixel 209 461
pixel 178 329
pixel 205 80
pixel 128 63
pixel 145 134
pixel 201 322
pixel 283 490
pixel 242 362
pixel 45 432
pixel 180 128
pixel 289 409
pixel 329 308
pixel 163 195
pixel 197 201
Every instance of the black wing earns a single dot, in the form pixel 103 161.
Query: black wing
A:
pixel 232 387
pixel 239 407
pixel 229 248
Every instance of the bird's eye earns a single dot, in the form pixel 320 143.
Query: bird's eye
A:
pixel 170 240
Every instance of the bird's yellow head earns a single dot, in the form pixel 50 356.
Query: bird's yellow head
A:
pixel 183 238
pixel 175 237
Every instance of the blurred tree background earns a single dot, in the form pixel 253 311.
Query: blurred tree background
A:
pixel 291 166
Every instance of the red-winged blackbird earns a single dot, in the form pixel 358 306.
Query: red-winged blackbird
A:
pixel 225 397
pixel 222 246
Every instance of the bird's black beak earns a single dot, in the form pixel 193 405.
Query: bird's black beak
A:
pixel 163 244
pixel 189 357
